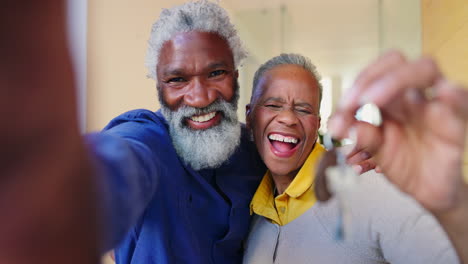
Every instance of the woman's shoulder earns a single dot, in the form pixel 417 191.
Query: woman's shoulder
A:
pixel 401 227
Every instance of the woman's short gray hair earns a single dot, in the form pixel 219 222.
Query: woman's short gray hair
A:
pixel 282 59
pixel 203 16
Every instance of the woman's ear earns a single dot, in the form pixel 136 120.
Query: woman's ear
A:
pixel 248 116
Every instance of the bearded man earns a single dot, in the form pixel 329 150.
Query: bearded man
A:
pixel 173 186
pixel 181 179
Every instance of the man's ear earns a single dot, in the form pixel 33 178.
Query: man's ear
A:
pixel 236 74
pixel 247 116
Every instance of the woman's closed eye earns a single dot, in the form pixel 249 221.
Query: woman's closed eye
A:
pixel 274 106
pixel 303 111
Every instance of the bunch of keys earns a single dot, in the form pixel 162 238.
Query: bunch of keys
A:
pixel 336 177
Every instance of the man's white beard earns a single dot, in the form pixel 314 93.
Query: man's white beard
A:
pixel 208 148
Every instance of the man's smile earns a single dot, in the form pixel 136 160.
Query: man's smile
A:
pixel 204 121
pixel 203 118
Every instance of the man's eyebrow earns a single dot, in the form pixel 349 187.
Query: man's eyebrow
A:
pixel 180 71
pixel 173 71
pixel 214 65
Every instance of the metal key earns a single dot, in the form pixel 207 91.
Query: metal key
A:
pixel 341 180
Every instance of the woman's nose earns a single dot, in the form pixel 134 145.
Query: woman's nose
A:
pixel 287 117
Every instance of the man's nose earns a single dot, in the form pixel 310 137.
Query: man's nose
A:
pixel 287 117
pixel 200 94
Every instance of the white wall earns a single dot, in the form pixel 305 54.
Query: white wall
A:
pixel 340 37
pixel 401 26
pixel 77 31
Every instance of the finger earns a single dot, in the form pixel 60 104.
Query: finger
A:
pixel 364 166
pixel 454 95
pixel 420 74
pixel 340 122
pixel 378 169
pixel 384 64
pixel 368 137
pixel 357 156
pixel 343 118
pixel 357 168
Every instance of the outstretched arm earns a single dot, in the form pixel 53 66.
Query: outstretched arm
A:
pixel 46 195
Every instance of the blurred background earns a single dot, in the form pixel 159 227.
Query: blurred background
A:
pixel 108 40
pixel 108 43
pixel 339 36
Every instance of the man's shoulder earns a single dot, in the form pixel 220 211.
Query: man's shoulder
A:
pixel 142 116
pixel 246 159
pixel 140 125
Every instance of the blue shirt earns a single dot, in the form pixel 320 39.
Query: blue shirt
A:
pixel 164 211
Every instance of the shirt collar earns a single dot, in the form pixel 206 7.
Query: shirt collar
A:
pixel 263 199
pixel 306 175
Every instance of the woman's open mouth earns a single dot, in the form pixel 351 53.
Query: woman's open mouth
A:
pixel 283 146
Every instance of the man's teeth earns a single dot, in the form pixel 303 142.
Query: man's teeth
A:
pixel 282 138
pixel 203 118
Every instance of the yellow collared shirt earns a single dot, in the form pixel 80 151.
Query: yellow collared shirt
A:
pixel 296 199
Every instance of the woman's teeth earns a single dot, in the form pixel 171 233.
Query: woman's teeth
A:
pixel 281 138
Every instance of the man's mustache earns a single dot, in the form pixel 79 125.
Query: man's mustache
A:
pixel 219 106
pixel 233 101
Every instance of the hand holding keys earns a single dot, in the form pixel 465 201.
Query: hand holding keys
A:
pixel 335 177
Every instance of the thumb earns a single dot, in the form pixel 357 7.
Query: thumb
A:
pixel 368 137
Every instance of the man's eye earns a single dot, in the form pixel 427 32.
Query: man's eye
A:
pixel 175 80
pixel 217 73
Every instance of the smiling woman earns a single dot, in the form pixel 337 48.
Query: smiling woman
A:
pixel 288 225
pixel 285 119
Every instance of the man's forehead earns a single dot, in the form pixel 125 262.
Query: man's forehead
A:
pixel 181 37
pixel 197 41
pixel 203 48
pixel 178 67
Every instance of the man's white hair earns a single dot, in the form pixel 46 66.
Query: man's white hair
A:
pixel 202 16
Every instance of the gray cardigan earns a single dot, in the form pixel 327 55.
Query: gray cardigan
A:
pixel 387 227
